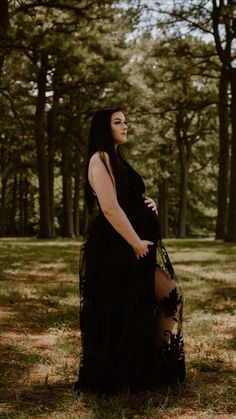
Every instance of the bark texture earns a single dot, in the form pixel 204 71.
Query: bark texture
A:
pixel 45 228
pixel 231 232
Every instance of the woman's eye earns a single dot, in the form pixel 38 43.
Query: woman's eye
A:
pixel 120 123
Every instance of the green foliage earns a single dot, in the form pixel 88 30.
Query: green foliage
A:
pixel 94 60
pixel 177 125
pixel 84 45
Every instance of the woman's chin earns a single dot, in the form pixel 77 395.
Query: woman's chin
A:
pixel 121 141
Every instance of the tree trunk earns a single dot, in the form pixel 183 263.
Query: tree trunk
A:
pixel 4 24
pixel 76 211
pixel 231 232
pixel 163 207
pixel 184 148
pixel 84 221
pixel 183 196
pixel 45 230
pixel 223 182
pixel 68 228
pixel 3 188
pixel 51 155
pixel 21 206
pixel 52 123
pixel 13 207
pixel 3 206
pixel 25 207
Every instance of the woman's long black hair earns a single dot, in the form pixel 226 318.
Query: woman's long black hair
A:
pixel 101 140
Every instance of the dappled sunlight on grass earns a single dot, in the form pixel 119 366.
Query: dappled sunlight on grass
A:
pixel 42 261
pixel 40 338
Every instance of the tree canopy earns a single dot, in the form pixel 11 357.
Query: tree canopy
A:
pixel 171 68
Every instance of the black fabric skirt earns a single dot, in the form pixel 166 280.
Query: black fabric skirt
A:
pixel 118 312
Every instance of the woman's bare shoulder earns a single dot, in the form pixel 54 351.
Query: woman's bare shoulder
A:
pixel 97 159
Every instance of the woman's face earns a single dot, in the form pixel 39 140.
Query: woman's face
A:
pixel 119 127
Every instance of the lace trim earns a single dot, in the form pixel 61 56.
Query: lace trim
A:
pixel 166 260
pixel 170 304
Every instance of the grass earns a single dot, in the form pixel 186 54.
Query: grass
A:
pixel 40 339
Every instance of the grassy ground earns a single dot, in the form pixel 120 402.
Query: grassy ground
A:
pixel 40 340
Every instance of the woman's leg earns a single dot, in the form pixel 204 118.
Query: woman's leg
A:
pixel 169 305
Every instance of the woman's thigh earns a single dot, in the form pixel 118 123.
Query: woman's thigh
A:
pixel 164 285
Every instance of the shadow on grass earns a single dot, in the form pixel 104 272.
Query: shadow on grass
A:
pixel 43 294
pixel 232 342
pixel 19 257
pixel 59 397
pixel 14 365
pixel 218 300
pixel 206 263
pixel 212 366
pixel 159 403
pixel 36 400
pixel 128 405
pixel 14 362
pixel 36 316
pixel 188 245
pixel 67 317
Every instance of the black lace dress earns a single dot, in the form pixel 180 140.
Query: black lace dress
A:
pixel 118 310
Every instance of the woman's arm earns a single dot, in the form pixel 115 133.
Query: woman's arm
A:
pixel 106 193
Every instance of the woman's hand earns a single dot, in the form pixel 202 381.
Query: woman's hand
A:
pixel 141 249
pixel 151 204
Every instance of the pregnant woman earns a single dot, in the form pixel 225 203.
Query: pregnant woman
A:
pixel 130 306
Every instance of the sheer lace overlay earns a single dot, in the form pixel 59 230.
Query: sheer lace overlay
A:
pixel 130 312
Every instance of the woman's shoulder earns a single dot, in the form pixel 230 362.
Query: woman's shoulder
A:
pixel 98 157
pixel 101 161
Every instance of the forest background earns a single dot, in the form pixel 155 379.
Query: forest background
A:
pixel 169 64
